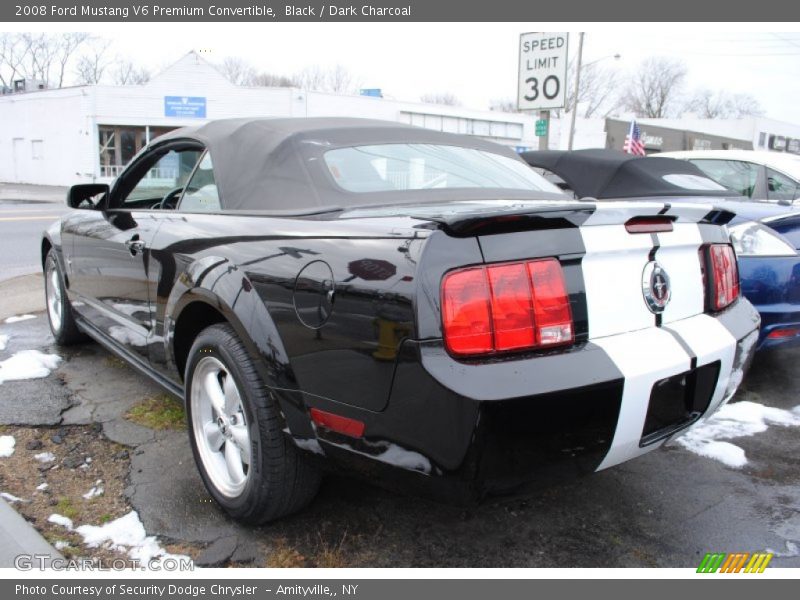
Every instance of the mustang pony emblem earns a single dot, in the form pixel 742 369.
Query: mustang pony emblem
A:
pixel 655 287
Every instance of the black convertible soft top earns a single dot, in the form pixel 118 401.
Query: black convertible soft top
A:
pixel 276 164
pixel 605 174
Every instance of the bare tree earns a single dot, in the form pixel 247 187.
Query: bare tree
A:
pixel 745 105
pixel 93 63
pixel 337 80
pixel 446 98
pixel 127 73
pixel 68 44
pixel 655 88
pixel 265 79
pixel 12 59
pixel 342 81
pixel 598 90
pixel 721 105
pixel 504 105
pixel 237 70
pixel 39 56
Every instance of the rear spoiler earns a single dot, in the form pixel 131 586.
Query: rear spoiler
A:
pixel 584 214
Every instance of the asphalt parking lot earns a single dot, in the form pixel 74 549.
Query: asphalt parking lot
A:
pixel 666 509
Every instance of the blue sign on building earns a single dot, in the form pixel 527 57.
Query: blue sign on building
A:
pixel 373 92
pixel 193 107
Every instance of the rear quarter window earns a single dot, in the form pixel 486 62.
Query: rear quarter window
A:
pixel 401 167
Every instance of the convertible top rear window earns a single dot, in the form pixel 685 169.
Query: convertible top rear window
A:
pixel 409 166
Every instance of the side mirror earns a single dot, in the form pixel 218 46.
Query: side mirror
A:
pixel 84 195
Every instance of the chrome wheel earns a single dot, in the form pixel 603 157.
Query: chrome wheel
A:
pixel 53 291
pixel 220 426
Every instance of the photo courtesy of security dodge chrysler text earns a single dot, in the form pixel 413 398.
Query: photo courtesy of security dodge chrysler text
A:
pixel 418 308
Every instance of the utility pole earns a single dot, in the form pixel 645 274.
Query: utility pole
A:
pixel 544 140
pixel 575 95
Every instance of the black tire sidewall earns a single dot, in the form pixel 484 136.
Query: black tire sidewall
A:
pixel 210 344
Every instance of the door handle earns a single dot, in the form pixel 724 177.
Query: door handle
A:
pixel 135 245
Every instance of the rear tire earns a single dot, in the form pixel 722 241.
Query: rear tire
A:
pixel 248 466
pixel 59 310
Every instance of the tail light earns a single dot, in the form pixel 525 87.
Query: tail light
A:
pixel 506 307
pixel 722 276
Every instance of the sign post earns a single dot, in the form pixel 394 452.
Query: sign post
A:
pixel 542 77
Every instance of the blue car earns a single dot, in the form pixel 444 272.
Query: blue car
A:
pixel 766 235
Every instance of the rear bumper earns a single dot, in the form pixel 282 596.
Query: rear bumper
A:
pixel 462 429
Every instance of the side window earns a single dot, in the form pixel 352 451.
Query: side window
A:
pixel 163 182
pixel 733 174
pixel 781 187
pixel 201 193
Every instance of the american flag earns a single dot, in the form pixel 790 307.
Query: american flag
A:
pixel 633 141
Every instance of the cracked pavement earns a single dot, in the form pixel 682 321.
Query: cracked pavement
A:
pixel 666 509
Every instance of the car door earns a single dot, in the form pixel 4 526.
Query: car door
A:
pixel 781 188
pixel 109 256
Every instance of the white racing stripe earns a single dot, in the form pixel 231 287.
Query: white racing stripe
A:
pixel 621 324
pixel 612 275
pixel 678 255
pixel 710 341
pixel 643 357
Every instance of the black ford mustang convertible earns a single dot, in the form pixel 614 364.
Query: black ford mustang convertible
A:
pixel 417 307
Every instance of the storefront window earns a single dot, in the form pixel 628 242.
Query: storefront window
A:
pixel 118 144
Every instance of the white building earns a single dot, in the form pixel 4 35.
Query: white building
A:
pixel 88 133
pixel 685 133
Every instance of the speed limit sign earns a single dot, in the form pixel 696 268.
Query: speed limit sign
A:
pixel 542 71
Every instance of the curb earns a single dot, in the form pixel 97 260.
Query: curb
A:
pixel 20 538
pixel 22 294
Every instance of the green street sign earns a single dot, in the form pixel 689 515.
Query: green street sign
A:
pixel 541 127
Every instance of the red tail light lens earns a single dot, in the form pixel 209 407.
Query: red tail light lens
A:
pixel 723 276
pixel 552 314
pixel 512 307
pixel 506 307
pixel 465 306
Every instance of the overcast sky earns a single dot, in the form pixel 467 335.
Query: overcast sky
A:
pixel 478 61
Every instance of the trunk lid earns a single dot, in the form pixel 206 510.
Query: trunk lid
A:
pixel 612 278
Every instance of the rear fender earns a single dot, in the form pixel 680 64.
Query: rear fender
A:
pixel 222 285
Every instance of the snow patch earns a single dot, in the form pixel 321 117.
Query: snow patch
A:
pixel 7 443
pixel 28 364
pixel 739 419
pixel 61 520
pixel 125 534
pixel 9 497
pixel 125 336
pixel 97 490
pixel 45 457
pixel 18 318
pixel 406 459
pixel 60 544
pixel 42 487
pixel 792 551
pixel 3 342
